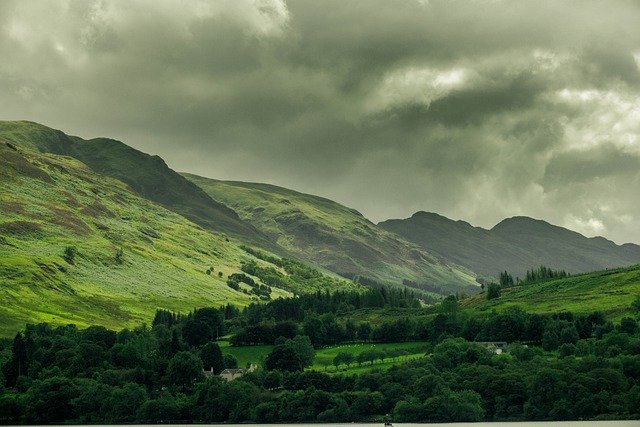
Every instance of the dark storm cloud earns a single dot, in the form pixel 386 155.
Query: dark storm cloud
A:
pixel 475 109
pixel 602 162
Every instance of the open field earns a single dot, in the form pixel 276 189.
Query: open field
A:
pixel 248 354
pixel 324 356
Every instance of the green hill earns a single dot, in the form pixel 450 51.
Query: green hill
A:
pixel 515 244
pixel 334 236
pixel 608 291
pixel 314 229
pixel 148 175
pixel 130 256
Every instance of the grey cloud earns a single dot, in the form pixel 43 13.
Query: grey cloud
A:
pixel 603 63
pixel 475 109
pixel 473 105
pixel 603 162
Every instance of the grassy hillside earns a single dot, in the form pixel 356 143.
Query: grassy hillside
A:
pixel 314 229
pixel 148 175
pixel 332 235
pixel 516 245
pixel 609 291
pixel 130 255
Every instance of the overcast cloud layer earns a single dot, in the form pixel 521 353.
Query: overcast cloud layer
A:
pixel 477 110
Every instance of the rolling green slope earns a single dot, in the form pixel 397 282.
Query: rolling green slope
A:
pixel 148 175
pixel 515 244
pixel 332 235
pixel 132 256
pixel 314 229
pixel 609 291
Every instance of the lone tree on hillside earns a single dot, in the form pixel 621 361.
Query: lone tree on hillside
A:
pixel 69 254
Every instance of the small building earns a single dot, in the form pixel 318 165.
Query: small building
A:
pixel 497 347
pixel 232 374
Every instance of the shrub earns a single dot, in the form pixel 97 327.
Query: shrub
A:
pixel 119 256
pixel 69 254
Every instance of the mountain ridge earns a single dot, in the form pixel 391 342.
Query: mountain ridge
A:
pixel 332 235
pixel 427 249
pixel 514 244
pixel 146 174
pixel 355 247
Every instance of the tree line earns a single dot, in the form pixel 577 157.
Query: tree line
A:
pixel 561 366
pixel 70 375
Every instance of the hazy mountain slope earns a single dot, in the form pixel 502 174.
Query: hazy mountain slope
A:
pixel 610 292
pixel 148 175
pixel 515 244
pixel 50 202
pixel 334 236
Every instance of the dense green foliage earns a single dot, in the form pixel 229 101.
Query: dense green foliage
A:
pixel 514 244
pixel 494 290
pixel 543 273
pixel 589 368
pixel 291 355
pixel 506 279
pixel 315 316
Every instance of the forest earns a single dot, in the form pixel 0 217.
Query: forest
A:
pixel 557 367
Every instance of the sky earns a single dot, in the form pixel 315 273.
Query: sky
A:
pixel 474 109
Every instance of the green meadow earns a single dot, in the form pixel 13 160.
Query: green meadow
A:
pixel 324 356
pixel 129 256
pixel 608 291
pixel 246 355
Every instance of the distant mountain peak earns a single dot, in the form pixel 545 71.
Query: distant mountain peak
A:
pixel 428 214
pixel 434 217
pixel 514 244
pixel 520 220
